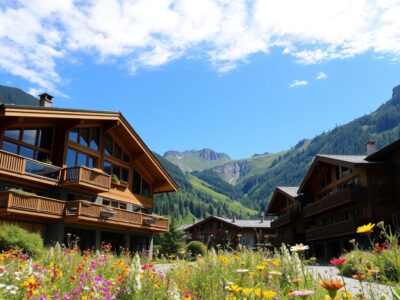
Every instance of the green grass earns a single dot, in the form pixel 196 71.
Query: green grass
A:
pixel 235 206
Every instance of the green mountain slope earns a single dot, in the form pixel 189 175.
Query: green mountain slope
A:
pixel 196 199
pixel 10 95
pixel 383 126
pixel 196 160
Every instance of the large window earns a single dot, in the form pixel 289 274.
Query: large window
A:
pixel 140 186
pixel 87 137
pixel 76 158
pixel 112 149
pixel 342 171
pixel 122 173
pixel 33 143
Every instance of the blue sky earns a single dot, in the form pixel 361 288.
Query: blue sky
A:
pixel 248 87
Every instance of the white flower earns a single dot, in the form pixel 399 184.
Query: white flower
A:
pixel 242 270
pixel 275 273
pixel 2 285
pixel 14 292
pixel 299 247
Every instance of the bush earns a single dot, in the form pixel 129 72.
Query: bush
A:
pixel 12 236
pixel 196 248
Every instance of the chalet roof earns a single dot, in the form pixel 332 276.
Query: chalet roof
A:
pixel 351 160
pixel 7 110
pixel 380 153
pixel 238 223
pixel 290 191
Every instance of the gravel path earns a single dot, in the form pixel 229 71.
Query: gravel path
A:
pixel 352 285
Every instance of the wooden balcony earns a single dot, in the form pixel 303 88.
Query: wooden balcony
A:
pixel 86 177
pixel 292 216
pixel 334 230
pixel 351 195
pixel 14 204
pixel 22 166
pixel 87 212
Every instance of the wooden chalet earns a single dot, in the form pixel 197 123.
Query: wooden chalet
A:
pixel 79 172
pixel 226 232
pixel 285 206
pixel 338 194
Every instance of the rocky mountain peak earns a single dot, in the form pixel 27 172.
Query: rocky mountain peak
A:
pixel 209 154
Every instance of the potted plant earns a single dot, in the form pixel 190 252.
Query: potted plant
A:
pixel 107 212
pixel 115 179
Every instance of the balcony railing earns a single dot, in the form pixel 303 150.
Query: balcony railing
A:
pixel 351 195
pixel 17 203
pixel 343 228
pixel 87 177
pixel 81 211
pixel 292 216
pixel 25 166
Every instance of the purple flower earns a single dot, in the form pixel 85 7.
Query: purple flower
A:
pixel 67 296
pixel 56 296
pixel 98 279
pixel 75 291
pixel 43 297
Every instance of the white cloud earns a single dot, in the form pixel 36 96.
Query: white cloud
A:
pixel 321 76
pixel 298 83
pixel 37 36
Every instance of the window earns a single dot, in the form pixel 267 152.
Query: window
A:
pixel 34 143
pixel 140 186
pixel 121 172
pixel 112 149
pixel 115 204
pixel 76 158
pixel 342 171
pixel 87 137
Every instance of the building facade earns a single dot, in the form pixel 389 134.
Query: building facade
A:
pixel 79 173
pixel 228 233
pixel 338 194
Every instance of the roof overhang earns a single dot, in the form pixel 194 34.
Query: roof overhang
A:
pixel 164 183
pixel 278 191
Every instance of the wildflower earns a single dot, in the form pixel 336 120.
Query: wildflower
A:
pixel 346 296
pixel 269 294
pixel 337 261
pixel 242 270
pixel 299 247
pixel 332 286
pixel 247 291
pixel 359 276
pixel 302 293
pixel 381 225
pixel 296 281
pixel 365 228
pixel 260 267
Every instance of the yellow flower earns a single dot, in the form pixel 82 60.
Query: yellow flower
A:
pixel 251 274
pixel 269 295
pixel 366 228
pixel 260 267
pixel 257 292
pixel 247 291
pixel 347 296
pixel 235 288
pixel 84 298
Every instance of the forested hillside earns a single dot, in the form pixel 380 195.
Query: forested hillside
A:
pixel 10 95
pixel 196 200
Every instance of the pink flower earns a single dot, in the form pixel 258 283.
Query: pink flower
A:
pixel 67 296
pixel 56 296
pixel 302 293
pixel 337 261
pixel 43 297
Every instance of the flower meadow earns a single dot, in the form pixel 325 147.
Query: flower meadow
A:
pixel 68 273
pixel 65 274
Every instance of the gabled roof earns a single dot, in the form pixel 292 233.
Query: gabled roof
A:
pixel 345 160
pixel 289 191
pixel 238 223
pixel 382 152
pixel 82 115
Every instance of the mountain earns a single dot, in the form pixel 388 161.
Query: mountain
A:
pixel 11 95
pixel 196 199
pixel 383 126
pixel 251 181
pixel 196 160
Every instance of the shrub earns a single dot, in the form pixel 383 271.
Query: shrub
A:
pixel 196 248
pixel 12 236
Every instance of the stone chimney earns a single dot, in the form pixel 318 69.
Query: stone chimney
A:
pixel 371 147
pixel 233 218
pixel 262 217
pixel 46 100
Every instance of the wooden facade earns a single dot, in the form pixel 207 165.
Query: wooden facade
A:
pixel 227 233
pixel 80 171
pixel 338 194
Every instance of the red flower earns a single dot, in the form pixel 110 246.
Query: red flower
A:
pixel 337 261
